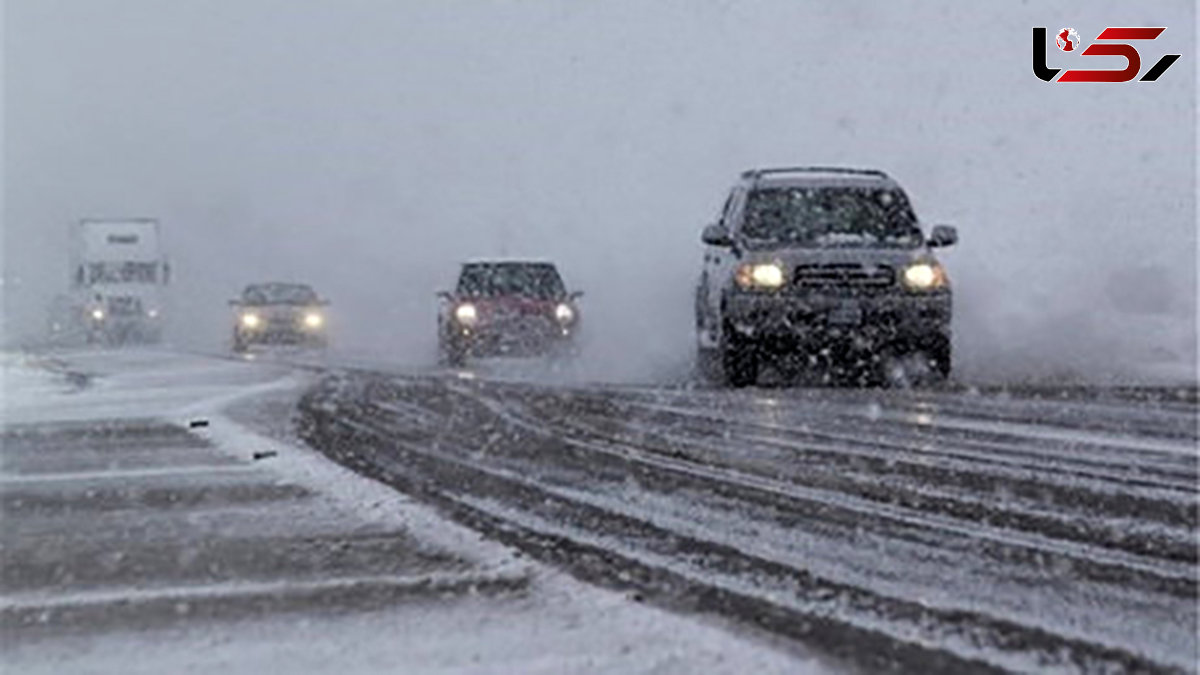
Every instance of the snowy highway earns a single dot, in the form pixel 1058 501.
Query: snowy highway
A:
pixel 1033 530
pixel 166 498
pixel 951 530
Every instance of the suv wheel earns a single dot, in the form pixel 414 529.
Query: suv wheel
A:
pixel 739 360
pixel 917 368
pixel 708 364
pixel 452 354
pixel 939 360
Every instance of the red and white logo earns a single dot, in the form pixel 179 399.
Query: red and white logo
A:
pixel 1112 41
pixel 1068 39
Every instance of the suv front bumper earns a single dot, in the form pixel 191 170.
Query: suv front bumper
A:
pixel 789 320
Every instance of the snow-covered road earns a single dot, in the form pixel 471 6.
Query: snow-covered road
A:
pixel 1033 530
pixel 158 517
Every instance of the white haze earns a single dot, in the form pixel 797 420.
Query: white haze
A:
pixel 368 147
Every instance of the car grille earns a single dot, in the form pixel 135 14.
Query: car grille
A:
pixel 529 324
pixel 124 305
pixel 844 275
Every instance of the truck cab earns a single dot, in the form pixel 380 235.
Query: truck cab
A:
pixel 118 279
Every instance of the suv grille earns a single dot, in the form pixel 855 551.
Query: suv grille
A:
pixel 851 275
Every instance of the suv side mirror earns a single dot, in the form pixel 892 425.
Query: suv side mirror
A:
pixel 716 235
pixel 235 303
pixel 942 235
pixel 445 295
pixel 574 295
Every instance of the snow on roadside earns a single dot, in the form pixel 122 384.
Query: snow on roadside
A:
pixel 346 491
pixel 558 625
pixel 22 381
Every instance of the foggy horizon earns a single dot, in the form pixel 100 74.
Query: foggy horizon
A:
pixel 367 148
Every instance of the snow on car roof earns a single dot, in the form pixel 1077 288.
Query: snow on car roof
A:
pixel 825 180
pixel 278 284
pixel 508 261
pixel 817 176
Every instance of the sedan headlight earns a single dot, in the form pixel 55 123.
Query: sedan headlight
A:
pixel 564 313
pixel 313 320
pixel 98 314
pixel 466 314
pixel 760 275
pixel 924 276
pixel 250 320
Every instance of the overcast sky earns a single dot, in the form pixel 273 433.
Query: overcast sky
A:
pixel 368 146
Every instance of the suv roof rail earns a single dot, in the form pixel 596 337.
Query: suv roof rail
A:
pixel 754 174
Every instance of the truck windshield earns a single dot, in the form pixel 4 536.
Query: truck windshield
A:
pixel 830 216
pixel 122 273
pixel 536 280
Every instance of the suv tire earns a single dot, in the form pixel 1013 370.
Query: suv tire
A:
pixel 739 360
pixel 940 360
pixel 708 365
pixel 453 355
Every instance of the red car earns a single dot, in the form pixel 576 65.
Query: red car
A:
pixel 507 308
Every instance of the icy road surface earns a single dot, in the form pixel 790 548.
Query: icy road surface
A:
pixel 135 543
pixel 1027 530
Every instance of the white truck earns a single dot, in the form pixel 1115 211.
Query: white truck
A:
pixel 119 276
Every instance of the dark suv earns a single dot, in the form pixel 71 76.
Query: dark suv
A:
pixel 507 308
pixel 821 266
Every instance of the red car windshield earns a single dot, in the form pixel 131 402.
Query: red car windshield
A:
pixel 534 280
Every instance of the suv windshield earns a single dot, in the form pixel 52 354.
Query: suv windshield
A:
pixel 538 280
pixel 830 216
pixel 279 294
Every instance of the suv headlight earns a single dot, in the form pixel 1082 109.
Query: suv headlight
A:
pixel 924 276
pixel 466 314
pixel 760 275
pixel 250 320
pixel 564 313
pixel 314 320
